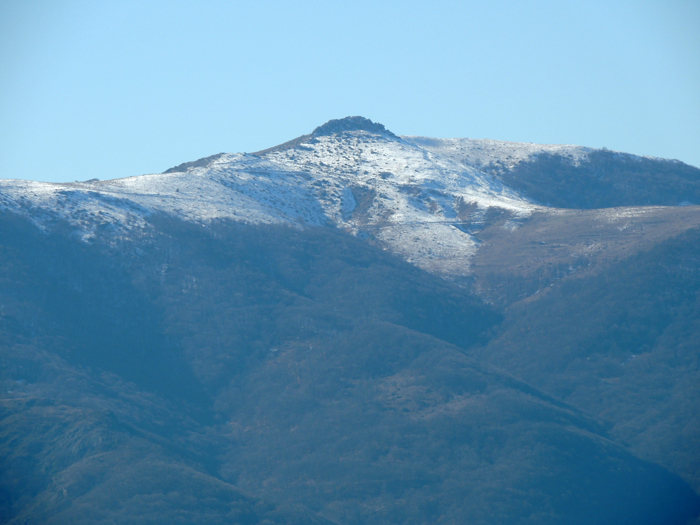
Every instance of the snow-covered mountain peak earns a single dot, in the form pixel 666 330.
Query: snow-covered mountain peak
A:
pixel 422 198
pixel 350 173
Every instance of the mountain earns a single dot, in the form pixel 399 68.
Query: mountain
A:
pixel 424 199
pixel 353 327
pixel 574 176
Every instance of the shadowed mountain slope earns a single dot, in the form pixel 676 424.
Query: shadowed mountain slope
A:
pixel 319 378
pixel 621 344
pixel 565 176
pixel 605 179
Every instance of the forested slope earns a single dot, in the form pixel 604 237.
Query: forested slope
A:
pixel 257 374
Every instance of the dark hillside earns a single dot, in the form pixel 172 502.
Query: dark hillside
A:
pixel 84 297
pixel 258 374
pixel 622 345
pixel 606 179
pixel 558 245
pixel 409 431
pixel 66 464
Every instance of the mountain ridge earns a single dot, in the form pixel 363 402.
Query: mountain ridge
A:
pixel 424 199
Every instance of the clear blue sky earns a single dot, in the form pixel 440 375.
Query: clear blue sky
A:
pixel 111 89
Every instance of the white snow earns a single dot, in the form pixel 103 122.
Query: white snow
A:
pixel 406 193
pixel 484 152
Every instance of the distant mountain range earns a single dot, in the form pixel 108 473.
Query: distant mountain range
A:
pixel 355 327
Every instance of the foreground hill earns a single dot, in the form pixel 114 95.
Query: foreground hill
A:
pixel 244 374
